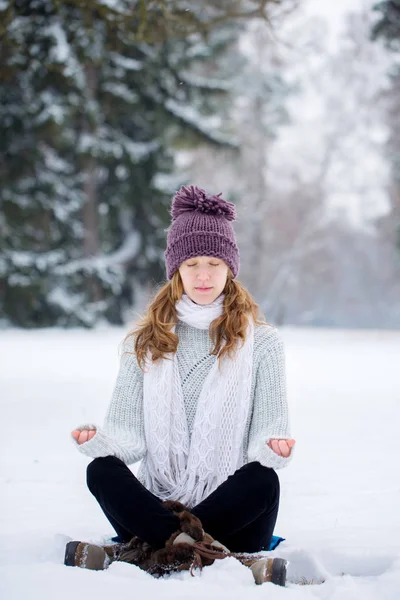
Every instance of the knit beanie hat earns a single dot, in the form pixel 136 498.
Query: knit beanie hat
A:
pixel 201 226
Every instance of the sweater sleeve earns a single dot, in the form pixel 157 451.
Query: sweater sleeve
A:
pixel 122 434
pixel 270 417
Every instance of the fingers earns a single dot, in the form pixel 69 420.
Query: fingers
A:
pixel 83 436
pixel 284 448
pixel 274 445
pixel 281 447
pixel 86 435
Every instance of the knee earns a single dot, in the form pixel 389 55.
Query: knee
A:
pixel 97 469
pixel 270 478
pixel 264 478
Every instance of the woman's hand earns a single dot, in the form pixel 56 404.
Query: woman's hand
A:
pixel 281 447
pixel 83 436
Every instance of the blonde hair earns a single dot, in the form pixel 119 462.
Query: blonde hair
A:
pixel 153 332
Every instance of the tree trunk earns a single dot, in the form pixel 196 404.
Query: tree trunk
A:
pixel 90 213
pixel 91 241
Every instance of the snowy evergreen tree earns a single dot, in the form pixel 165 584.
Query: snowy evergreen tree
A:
pixel 40 198
pixel 91 111
pixel 388 28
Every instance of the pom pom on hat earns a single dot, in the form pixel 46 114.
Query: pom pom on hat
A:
pixel 193 198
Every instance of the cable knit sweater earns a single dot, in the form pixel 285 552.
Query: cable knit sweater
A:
pixel 122 434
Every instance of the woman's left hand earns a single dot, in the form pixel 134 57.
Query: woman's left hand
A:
pixel 281 447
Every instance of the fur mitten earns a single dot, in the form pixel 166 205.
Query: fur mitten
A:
pixel 176 555
pixel 188 523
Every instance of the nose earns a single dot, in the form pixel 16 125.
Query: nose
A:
pixel 203 275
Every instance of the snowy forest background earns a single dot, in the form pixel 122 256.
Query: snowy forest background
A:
pixel 108 106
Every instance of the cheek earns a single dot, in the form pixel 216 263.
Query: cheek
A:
pixel 222 278
pixel 186 277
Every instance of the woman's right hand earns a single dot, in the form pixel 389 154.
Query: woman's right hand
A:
pixel 83 436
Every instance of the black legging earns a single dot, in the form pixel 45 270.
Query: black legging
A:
pixel 241 513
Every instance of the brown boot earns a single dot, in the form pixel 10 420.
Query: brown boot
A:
pixel 90 556
pixel 270 569
pixel 264 569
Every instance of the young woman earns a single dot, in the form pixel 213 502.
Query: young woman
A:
pixel 200 400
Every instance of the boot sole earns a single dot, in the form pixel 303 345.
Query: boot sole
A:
pixel 70 549
pixel 278 575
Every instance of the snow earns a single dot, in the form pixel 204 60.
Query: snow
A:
pixel 205 124
pixel 339 497
pixel 106 266
pixel 130 64
pixel 39 260
pixel 191 115
pixel 334 14
pixel 121 91
pixel 50 110
pixel 211 83
pixel 103 143
pixel 60 52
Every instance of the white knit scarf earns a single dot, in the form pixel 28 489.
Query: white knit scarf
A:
pixel 176 467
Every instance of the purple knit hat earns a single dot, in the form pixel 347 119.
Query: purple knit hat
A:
pixel 201 226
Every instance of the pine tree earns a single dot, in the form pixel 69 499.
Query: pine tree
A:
pixel 40 190
pixel 388 28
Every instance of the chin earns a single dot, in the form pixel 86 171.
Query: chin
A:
pixel 203 298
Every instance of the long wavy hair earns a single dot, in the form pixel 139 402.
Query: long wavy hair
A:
pixel 153 332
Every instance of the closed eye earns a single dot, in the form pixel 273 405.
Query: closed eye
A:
pixel 211 264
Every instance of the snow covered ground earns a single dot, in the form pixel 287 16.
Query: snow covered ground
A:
pixel 340 496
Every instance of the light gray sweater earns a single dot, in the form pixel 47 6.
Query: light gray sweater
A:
pixel 122 434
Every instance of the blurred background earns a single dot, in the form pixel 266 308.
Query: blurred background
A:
pixel 290 108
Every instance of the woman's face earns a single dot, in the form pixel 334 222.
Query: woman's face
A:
pixel 203 278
